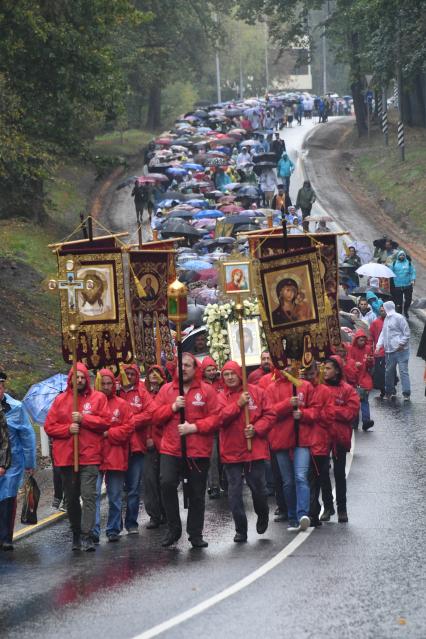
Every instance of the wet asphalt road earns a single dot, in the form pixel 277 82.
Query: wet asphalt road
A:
pixel 364 579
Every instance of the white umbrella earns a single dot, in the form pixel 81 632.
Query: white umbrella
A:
pixel 372 269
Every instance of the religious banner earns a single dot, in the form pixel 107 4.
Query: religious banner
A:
pixel 150 273
pixel 263 245
pixel 295 306
pixel 91 286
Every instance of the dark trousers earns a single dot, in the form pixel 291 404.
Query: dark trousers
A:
pixel 305 213
pixel 76 485
pixel 339 470
pixel 278 484
pixel 320 481
pixel 152 493
pixel 7 519
pixel 58 491
pixel 254 473
pixel 403 296
pixel 170 475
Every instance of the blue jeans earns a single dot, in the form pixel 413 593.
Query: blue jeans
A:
pixel 365 409
pixel 133 480
pixel 295 477
pixel 114 480
pixel 400 359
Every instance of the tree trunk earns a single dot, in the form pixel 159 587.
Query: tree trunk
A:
pixel 153 120
pixel 357 85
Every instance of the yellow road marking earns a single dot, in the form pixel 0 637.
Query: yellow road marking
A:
pixel 47 520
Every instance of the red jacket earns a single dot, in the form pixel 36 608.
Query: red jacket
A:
pixel 217 384
pixel 364 357
pixel 232 442
pixel 256 375
pixel 94 408
pixel 339 413
pixel 116 446
pixel 142 405
pixel 201 409
pixel 375 329
pixel 320 434
pixel 283 436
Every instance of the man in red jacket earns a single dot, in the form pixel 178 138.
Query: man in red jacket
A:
pixel 155 379
pixel 236 457
pixel 201 421
pixel 339 413
pixel 115 457
pixel 360 353
pixel 211 376
pixel 89 422
pixel 134 392
pixel 264 368
pixel 291 438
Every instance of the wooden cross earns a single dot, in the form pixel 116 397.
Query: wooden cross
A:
pixel 71 285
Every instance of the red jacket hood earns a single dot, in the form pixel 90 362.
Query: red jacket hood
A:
pixel 359 333
pixel 207 361
pixel 135 368
pixel 159 370
pixel 233 366
pixel 82 369
pixel 341 364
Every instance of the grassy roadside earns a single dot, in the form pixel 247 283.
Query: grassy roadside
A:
pixel 30 339
pixel 398 187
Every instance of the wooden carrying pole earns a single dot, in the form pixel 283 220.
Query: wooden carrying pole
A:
pixel 73 331
pixel 240 309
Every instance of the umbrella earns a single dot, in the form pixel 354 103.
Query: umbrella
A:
pixel 199 204
pixel 145 179
pixel 363 250
pixel 196 265
pixel 240 219
pixel 158 177
pixel 183 214
pixel 380 243
pixel 231 208
pixel 264 157
pixel 175 227
pixel 176 170
pixel 40 396
pixel 234 186
pixel 207 214
pixel 249 142
pixel 164 141
pixel 362 290
pixel 126 182
pixel 175 195
pixel 318 218
pixel 263 166
pixel 249 191
pixel 224 140
pixel 212 161
pixel 192 166
pixel 372 269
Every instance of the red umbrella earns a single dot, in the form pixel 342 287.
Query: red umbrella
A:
pixel 144 179
pixel 230 208
pixel 164 141
pixel 237 132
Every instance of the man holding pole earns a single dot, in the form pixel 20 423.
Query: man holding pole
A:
pixel 199 402
pixel 237 457
pixel 87 423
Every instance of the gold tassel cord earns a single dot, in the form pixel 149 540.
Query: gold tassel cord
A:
pixel 98 381
pixel 123 376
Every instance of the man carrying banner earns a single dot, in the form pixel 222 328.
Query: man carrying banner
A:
pixel 134 392
pixel 89 422
pixel 202 419
pixel 236 456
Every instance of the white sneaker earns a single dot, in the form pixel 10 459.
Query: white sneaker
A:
pixel 305 522
pixel 293 527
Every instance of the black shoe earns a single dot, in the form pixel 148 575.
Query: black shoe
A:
pixel 281 516
pixel 87 543
pixel 198 542
pixel 328 512
pixel 342 517
pixel 76 541
pixel 240 538
pixel 315 522
pixel 95 538
pixel 214 492
pixel 407 315
pixel 277 511
pixel 170 539
pixel 367 425
pixel 153 523
pixel 7 546
pixel 262 523
pixel 113 537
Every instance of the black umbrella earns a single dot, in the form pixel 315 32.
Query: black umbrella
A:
pixel 175 227
pixel 174 195
pixel 362 290
pixel 182 215
pixel 264 157
pixel 380 243
pixel 242 219
pixel 248 191
pixel 263 166
pixel 345 303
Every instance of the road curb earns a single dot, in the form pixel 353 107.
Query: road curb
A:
pixel 44 523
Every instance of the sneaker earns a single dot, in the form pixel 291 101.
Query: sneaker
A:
pixel 315 522
pixel 304 522
pixel 328 512
pixel 342 517
pixel 214 492
pixel 95 538
pixel 281 516
pixel 393 397
pixel 293 527
pixel 198 542
pixel 367 425
pixel 55 503
pixel 170 539
pixel 87 543
pixel 63 506
pixel 406 397
pixel 133 531
pixel 113 537
pixel 153 523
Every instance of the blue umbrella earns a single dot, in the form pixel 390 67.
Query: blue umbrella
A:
pixel 198 204
pixel 193 167
pixel 40 396
pixel 208 214
pixel 176 170
pixel 196 265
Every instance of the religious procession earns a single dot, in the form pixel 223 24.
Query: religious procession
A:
pixel 228 437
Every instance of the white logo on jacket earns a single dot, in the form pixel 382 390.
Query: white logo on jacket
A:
pixel 136 401
pixel 115 415
pixel 87 408
pixel 251 404
pixel 198 400
pixel 301 398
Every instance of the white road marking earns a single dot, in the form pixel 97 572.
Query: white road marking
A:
pixel 239 585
